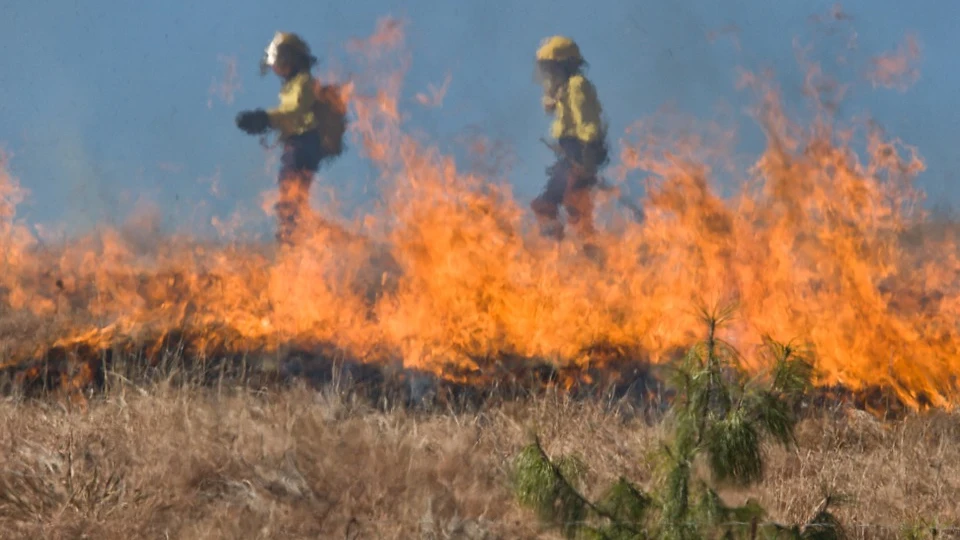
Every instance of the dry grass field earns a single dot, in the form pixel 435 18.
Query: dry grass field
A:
pixel 172 460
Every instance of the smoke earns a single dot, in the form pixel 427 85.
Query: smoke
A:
pixel 226 87
pixel 11 193
pixel 433 97
pixel 897 69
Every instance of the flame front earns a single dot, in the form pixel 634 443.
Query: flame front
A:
pixel 816 245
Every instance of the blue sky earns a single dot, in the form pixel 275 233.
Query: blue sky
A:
pixel 105 102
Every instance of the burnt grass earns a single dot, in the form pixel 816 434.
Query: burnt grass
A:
pixel 610 375
pixel 618 376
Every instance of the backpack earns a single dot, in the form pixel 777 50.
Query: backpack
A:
pixel 331 111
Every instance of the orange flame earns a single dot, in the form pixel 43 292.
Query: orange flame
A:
pixel 817 245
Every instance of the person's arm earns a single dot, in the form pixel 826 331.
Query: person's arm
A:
pixel 549 104
pixel 584 109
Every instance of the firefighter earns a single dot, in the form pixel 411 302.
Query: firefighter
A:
pixel 298 126
pixel 580 136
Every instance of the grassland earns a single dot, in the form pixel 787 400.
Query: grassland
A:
pixel 177 460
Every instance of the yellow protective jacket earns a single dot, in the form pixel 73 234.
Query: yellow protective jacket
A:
pixel 578 111
pixel 296 113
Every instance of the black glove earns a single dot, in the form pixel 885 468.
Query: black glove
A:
pixel 253 122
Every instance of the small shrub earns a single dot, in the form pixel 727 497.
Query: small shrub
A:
pixel 719 415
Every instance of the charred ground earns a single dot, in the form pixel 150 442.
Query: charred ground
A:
pixel 601 373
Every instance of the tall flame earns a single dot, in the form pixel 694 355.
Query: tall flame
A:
pixel 817 244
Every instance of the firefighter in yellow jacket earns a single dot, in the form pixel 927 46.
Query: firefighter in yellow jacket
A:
pixel 299 129
pixel 580 136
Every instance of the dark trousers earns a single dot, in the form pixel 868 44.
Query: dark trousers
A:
pixel 300 160
pixel 569 182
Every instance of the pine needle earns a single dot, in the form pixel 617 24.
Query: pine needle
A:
pixel 733 449
pixel 544 487
pixel 773 415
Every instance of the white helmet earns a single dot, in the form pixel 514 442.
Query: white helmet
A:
pixel 282 38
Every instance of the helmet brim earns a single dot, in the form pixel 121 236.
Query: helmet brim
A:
pixel 269 57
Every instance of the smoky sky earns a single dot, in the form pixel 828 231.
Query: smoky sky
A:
pixel 108 105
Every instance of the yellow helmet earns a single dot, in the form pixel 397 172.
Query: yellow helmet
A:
pixel 289 39
pixel 558 48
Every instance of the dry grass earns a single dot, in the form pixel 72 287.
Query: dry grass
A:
pixel 186 462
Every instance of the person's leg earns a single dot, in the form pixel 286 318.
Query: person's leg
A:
pixel 300 162
pixel 578 202
pixel 546 206
pixel 577 196
pixel 292 204
pixel 294 190
pixel 579 205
